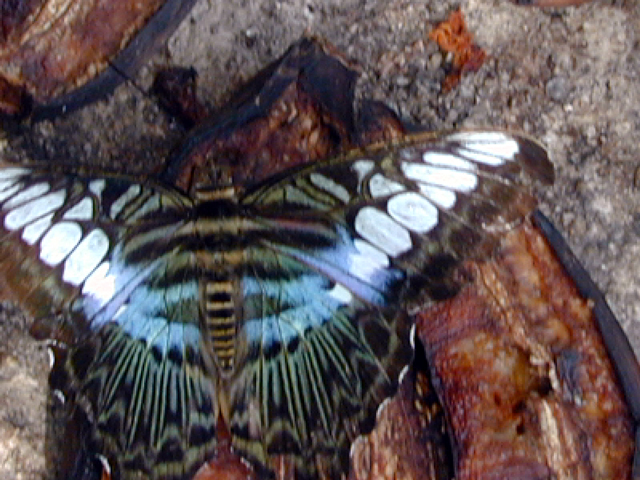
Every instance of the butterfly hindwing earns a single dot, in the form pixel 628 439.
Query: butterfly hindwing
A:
pixel 105 254
pixel 313 360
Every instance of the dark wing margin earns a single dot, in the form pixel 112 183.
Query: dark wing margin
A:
pixel 345 244
pixel 98 262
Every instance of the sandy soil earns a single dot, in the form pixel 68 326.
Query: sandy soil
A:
pixel 567 76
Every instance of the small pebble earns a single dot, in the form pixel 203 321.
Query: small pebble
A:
pixel 402 81
pixel 557 89
pixel 435 61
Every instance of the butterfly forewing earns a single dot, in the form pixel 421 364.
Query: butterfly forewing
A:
pixel 415 205
pixel 106 254
pixel 282 310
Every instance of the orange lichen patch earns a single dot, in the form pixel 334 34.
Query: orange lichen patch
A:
pixel 453 37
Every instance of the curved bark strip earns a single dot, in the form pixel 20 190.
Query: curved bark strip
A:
pixel 55 54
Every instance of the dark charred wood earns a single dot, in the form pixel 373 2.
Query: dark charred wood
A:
pixel 378 123
pixel 297 110
pixel 176 89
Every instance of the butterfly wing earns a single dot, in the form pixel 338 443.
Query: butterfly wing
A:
pixel 106 255
pixel 343 245
pixel 284 312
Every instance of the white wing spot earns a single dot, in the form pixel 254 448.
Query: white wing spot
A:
pixel 4 194
pixel 28 194
pixel 30 211
pixel 447 160
pixel 372 254
pixel 366 262
pixel 8 180
pixel 478 137
pixel 52 357
pixel 440 196
pixel 412 336
pixel 97 186
pixel 83 210
pixel 483 158
pixel 362 168
pixel 12 172
pixel 59 242
pixel 413 211
pixel 59 395
pixel 100 284
pixel 105 464
pixel 4 184
pixel 384 233
pixel 381 186
pixel 506 150
pixel 132 192
pixel 341 294
pixel 441 177
pixel 32 233
pixel 489 148
pixel 331 186
pixel 86 257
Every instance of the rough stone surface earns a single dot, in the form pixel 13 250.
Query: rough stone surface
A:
pixel 567 76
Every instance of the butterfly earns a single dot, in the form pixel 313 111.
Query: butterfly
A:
pixel 280 310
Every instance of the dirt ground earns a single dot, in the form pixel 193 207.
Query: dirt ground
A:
pixel 566 76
